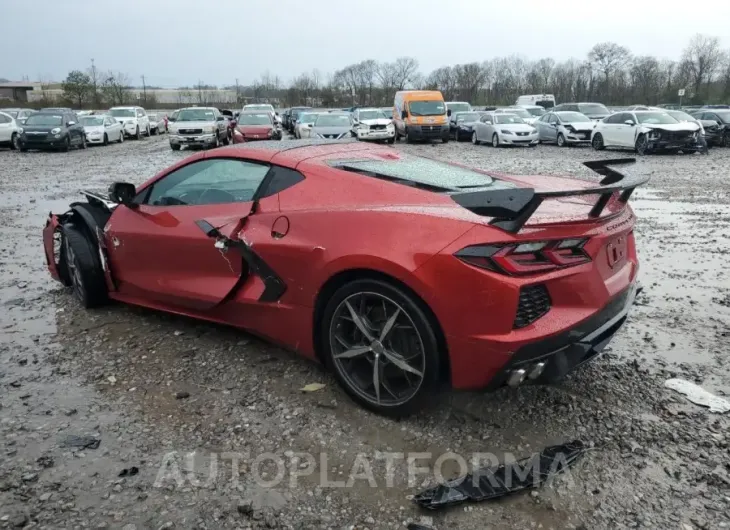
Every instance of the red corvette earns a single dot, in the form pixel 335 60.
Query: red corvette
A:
pixel 400 273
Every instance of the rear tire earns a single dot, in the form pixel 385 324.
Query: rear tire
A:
pixel 83 266
pixel 597 142
pixel 349 372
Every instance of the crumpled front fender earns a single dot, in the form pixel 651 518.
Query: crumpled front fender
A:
pixel 53 250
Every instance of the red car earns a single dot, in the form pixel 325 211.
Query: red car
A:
pixel 400 273
pixel 255 125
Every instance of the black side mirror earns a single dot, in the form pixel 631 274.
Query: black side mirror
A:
pixel 123 193
pixel 404 114
pixel 448 112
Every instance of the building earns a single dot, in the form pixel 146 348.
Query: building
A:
pixel 17 91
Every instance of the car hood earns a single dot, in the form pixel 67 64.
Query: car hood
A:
pixel 377 121
pixel 331 130
pixel 124 120
pixel 684 126
pixel 582 125
pixel 255 129
pixel 515 127
pixel 193 124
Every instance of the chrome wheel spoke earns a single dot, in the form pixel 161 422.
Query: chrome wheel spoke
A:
pixel 354 352
pixel 359 322
pixel 398 361
pixel 376 378
pixel 389 325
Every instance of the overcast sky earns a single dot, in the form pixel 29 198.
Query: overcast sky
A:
pixel 176 42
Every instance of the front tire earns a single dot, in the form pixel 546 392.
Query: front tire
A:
pixel 725 142
pixel 409 138
pixel 175 147
pixel 66 145
pixel 561 140
pixel 121 137
pixel 474 139
pixel 83 266
pixel 381 347
pixel 14 142
pixel 495 140
pixel 597 142
pixel 138 133
pixel 83 142
pixel 106 139
pixel 641 145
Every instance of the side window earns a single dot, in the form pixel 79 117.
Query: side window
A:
pixel 68 118
pixel 553 119
pixel 714 117
pixel 279 179
pixel 140 113
pixel 487 119
pixel 614 119
pixel 4 119
pixel 212 181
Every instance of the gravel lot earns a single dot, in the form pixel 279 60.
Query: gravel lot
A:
pixel 151 386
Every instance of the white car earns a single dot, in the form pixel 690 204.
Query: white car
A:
pixel 302 128
pixel 645 131
pixel 134 120
pixel 565 128
pixel 263 106
pixel 536 110
pixel 9 131
pixel 526 116
pixel 157 123
pixel 101 129
pixel 373 124
pixel 500 128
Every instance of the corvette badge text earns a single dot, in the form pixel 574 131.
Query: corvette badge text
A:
pixel 379 469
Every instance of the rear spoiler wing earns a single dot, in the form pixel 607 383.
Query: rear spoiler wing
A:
pixel 512 208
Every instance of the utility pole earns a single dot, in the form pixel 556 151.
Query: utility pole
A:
pixel 238 100
pixel 144 90
pixel 93 81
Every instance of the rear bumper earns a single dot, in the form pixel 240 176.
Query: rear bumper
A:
pixel 550 360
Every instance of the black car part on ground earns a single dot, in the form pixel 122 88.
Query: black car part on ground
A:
pixel 506 479
pixel 511 208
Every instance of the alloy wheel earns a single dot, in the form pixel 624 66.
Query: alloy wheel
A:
pixel 73 271
pixel 377 349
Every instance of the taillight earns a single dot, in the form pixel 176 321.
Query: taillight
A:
pixel 519 259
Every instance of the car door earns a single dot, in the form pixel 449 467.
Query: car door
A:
pixel 70 122
pixel 609 129
pixel 551 131
pixel 158 252
pixel 6 128
pixel 624 134
pixel 112 131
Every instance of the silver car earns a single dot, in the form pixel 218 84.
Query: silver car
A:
pixel 157 123
pixel 303 127
pixel 499 128
pixel 565 128
pixel 101 129
pixel 332 125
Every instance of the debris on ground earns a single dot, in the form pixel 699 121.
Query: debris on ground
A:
pixel 81 442
pixel 313 387
pixel 129 472
pixel 698 395
pixel 491 483
pixel 45 461
pixel 182 395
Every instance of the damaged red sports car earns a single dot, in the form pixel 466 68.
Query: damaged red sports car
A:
pixel 400 273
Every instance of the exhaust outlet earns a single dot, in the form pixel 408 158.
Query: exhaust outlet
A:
pixel 516 377
pixel 536 370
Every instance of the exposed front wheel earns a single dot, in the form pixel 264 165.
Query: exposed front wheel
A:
pixel 561 140
pixel 597 142
pixel 381 347
pixel 83 266
pixel 642 145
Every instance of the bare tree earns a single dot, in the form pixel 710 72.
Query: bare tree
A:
pixel 115 88
pixel 608 58
pixel 701 59
pixel 646 78
pixel 406 68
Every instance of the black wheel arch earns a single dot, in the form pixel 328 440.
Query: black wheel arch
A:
pixel 343 277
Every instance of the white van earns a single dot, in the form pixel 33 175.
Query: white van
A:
pixel 546 101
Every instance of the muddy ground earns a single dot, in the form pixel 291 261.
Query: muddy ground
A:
pixel 154 387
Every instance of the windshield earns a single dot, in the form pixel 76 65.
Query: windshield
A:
pixel 522 113
pixel 547 103
pixel 196 115
pixel 681 116
pixel 724 116
pixel 661 118
pixel 425 171
pixel 593 109
pixel 427 108
pixel 91 121
pixel 122 113
pixel 258 107
pixel 152 116
pixel 308 117
pixel 507 119
pixel 536 111
pixel 332 120
pixel 467 116
pixel 458 107
pixel 12 113
pixel 297 112
pixel 573 117
pixel 254 119
pixel 44 119
pixel 371 115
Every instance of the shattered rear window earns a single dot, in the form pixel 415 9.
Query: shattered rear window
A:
pixel 421 172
